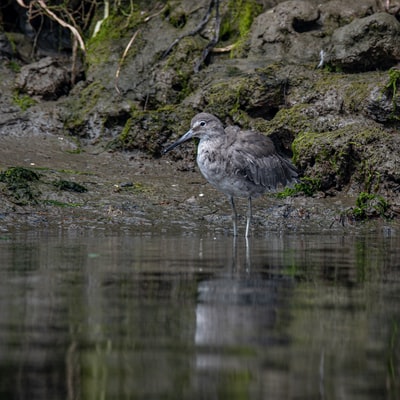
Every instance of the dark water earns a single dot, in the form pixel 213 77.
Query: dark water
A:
pixel 153 317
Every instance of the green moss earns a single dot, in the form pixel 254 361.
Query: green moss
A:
pixel 23 101
pixel 69 186
pixel 19 185
pixel 78 108
pixel 178 21
pixel 148 130
pixel 14 66
pixel 335 156
pixel 179 66
pixel 239 96
pixel 391 87
pixel 123 136
pixel 236 23
pixel 224 99
pixel 369 206
pixel 112 30
pixel 307 187
pixel 294 119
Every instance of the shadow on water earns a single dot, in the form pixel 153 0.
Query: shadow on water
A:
pixel 152 317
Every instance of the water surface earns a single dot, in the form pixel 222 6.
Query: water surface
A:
pixel 92 316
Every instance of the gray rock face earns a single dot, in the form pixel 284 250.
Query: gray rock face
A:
pixel 5 45
pixel 366 44
pixel 285 32
pixel 297 31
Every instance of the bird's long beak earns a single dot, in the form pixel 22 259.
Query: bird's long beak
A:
pixel 188 135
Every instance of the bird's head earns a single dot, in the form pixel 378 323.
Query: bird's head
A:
pixel 202 126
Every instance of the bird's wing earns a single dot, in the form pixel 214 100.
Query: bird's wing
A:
pixel 254 156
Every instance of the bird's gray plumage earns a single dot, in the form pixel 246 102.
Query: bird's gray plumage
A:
pixel 238 163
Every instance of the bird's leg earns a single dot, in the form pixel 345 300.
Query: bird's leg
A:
pixel 234 215
pixel 249 214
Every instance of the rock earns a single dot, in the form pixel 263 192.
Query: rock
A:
pixel 296 31
pixel 381 106
pixel 23 47
pixel 337 13
pixel 330 102
pixel 276 33
pixel 5 45
pixel 366 44
pixel 363 156
pixel 47 78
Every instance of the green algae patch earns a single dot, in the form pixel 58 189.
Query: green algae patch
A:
pixel 18 175
pixel 132 187
pixel 369 206
pixel 26 187
pixel 307 187
pixel 69 186
pixel 19 185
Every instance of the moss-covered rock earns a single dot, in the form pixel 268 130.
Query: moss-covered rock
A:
pixel 149 130
pixel 258 95
pixel 19 184
pixel 357 154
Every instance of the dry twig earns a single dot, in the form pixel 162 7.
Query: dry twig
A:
pixel 121 61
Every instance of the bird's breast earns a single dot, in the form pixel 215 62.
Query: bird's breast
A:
pixel 211 164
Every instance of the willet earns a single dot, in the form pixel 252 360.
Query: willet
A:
pixel 238 163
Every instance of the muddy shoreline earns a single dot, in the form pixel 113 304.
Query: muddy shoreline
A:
pixel 134 192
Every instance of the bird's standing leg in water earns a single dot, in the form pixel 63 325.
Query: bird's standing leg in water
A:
pixel 249 215
pixel 234 215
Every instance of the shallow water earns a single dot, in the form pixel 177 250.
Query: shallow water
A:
pixel 154 317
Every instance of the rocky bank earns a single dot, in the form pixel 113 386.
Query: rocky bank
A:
pixel 81 132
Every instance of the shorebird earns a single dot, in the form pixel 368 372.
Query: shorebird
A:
pixel 238 163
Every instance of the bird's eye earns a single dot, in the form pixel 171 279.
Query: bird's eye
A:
pixel 203 123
